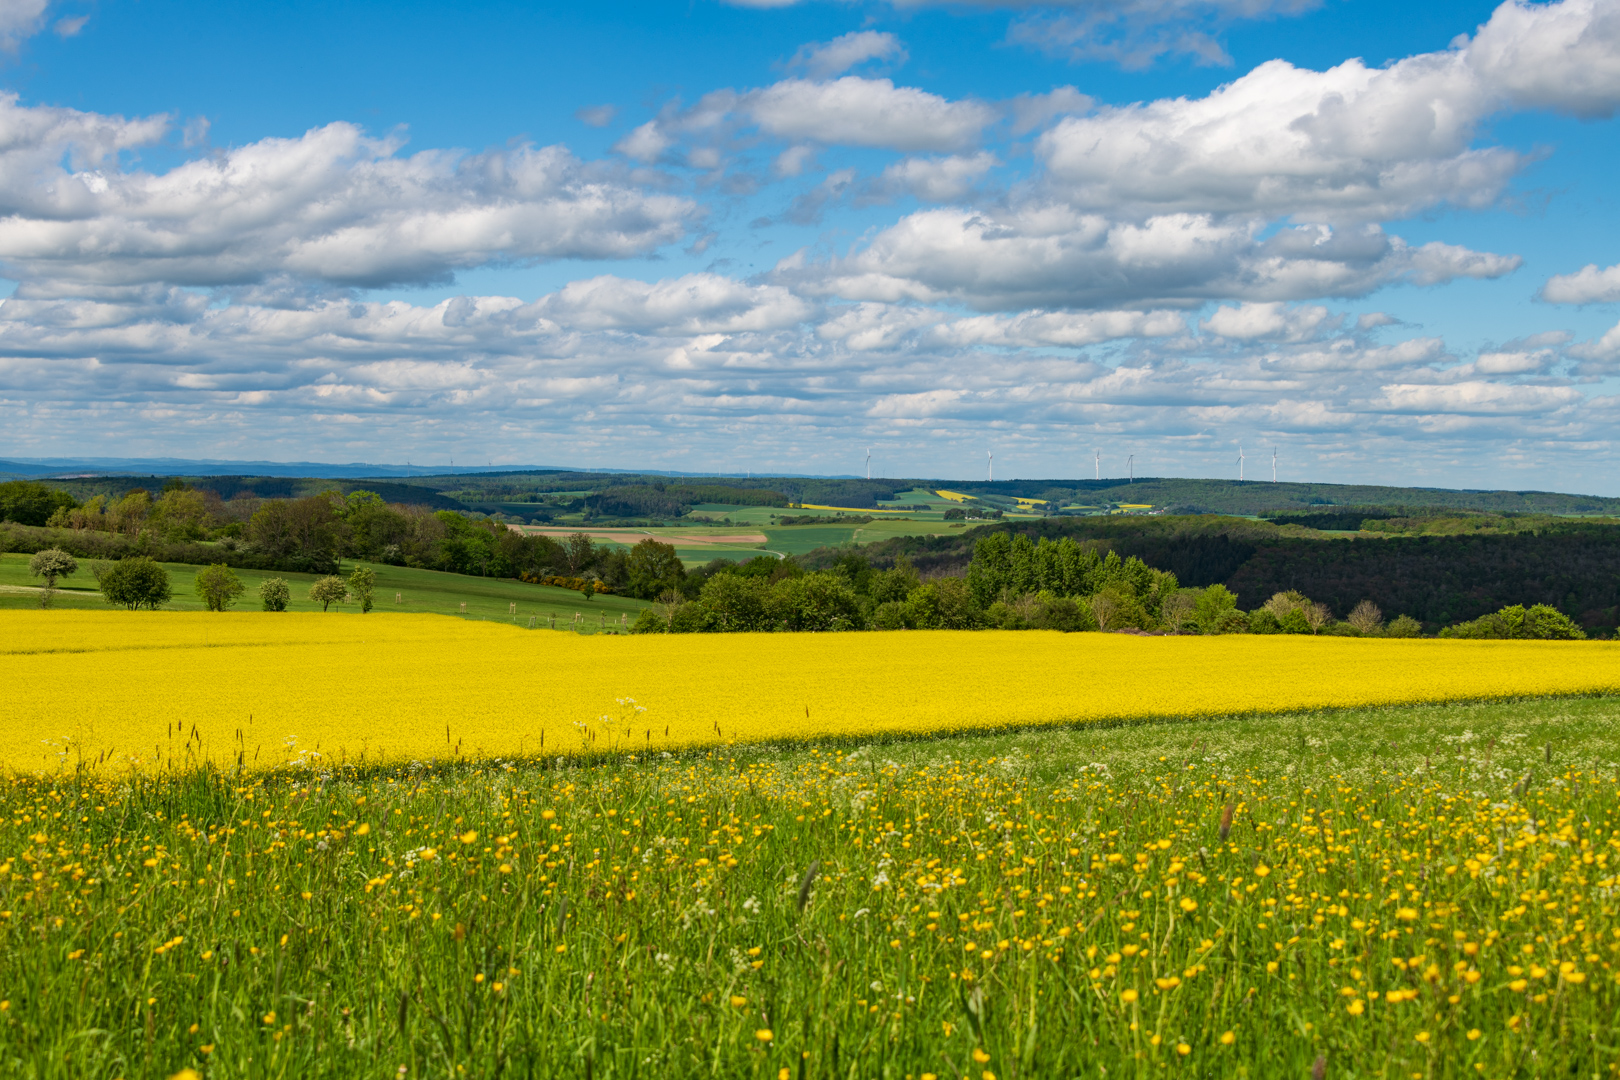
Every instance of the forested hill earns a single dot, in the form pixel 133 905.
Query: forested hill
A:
pixel 1439 580
pixel 1178 496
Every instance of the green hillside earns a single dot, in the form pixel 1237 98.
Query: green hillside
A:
pixel 418 590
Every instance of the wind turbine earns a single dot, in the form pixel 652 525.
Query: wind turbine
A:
pixel 990 473
pixel 1099 465
pixel 1273 464
pixel 1240 464
pixel 869 463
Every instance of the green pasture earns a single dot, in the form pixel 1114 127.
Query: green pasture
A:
pixel 418 590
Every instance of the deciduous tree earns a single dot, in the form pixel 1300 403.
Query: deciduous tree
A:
pixel 218 586
pixel 328 591
pixel 136 582
pixel 362 583
pixel 275 594
pixel 51 564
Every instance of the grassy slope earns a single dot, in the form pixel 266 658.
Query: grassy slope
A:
pixel 618 953
pixel 421 590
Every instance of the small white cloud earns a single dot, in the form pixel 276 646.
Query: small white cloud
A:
pixel 1588 285
pixel 1269 322
pixel 19 19
pixel 646 143
pixel 793 161
pixel 597 115
pixel 1476 397
pixel 70 27
pixel 936 179
pixel 1030 111
pixel 1513 363
pixel 853 111
pixel 824 59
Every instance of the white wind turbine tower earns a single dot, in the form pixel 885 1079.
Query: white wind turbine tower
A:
pixel 869 463
pixel 1273 464
pixel 1099 465
pixel 1240 464
pixel 1130 468
pixel 990 466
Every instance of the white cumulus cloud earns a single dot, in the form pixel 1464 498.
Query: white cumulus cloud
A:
pixel 332 205
pixel 823 59
pixel 1588 285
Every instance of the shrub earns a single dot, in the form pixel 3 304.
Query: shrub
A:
pixel 134 583
pixel 1061 613
pixel 218 586
pixel 1403 626
pixel 1213 605
pixel 648 622
pixel 1542 621
pixel 892 615
pixel 1262 621
pixel 275 594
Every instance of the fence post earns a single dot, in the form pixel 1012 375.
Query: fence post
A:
pixel 531 622
pixel 464 607
pixel 398 598
pixel 554 620
pixel 511 609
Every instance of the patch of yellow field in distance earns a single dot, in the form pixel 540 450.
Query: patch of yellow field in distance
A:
pixel 143 688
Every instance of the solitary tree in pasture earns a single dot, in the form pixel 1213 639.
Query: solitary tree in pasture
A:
pixel 362 583
pixel 218 586
pixel 51 564
pixel 136 582
pixel 328 591
pixel 275 594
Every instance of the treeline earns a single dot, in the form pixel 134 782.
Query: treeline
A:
pixel 313 534
pixel 1568 564
pixel 1573 567
pixel 1014 582
pixel 674 500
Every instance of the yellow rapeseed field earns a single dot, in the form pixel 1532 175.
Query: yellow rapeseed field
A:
pixel 148 689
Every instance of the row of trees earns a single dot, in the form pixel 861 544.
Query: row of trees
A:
pixel 141 582
pixel 1012 583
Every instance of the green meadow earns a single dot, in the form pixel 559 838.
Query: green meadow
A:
pixel 416 590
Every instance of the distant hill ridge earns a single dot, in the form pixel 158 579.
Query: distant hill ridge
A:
pixel 469 485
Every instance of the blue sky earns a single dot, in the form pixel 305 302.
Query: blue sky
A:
pixel 766 236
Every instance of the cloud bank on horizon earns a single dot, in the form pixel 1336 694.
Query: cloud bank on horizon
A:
pixel 1038 271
